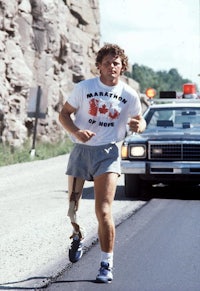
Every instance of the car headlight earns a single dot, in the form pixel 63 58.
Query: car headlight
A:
pixel 138 151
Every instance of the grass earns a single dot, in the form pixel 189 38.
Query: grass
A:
pixel 10 155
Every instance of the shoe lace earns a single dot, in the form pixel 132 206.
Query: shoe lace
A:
pixel 104 268
pixel 75 243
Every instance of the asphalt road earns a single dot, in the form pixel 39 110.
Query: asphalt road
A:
pixel 34 228
pixel 157 249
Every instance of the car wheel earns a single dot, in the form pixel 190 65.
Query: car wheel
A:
pixel 136 188
pixel 132 185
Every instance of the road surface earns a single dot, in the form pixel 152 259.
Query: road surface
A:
pixel 157 249
pixel 34 228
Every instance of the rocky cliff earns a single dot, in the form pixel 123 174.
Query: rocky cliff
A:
pixel 47 43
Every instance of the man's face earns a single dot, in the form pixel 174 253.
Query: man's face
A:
pixel 110 68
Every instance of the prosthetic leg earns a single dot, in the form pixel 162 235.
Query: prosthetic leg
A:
pixel 75 188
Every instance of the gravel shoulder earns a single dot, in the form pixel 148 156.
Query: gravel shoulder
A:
pixel 34 228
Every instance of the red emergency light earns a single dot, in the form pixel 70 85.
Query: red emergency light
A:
pixel 189 88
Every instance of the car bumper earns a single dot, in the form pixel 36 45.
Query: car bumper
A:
pixel 160 168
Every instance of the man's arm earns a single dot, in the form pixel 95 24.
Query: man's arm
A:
pixel 67 122
pixel 137 124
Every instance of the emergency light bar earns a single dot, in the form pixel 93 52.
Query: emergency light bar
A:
pixel 168 94
pixel 189 92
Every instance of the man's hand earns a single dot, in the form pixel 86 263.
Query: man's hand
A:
pixel 137 124
pixel 84 135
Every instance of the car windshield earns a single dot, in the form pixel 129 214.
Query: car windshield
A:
pixel 173 117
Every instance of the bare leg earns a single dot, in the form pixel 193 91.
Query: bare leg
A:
pixel 105 188
pixel 75 188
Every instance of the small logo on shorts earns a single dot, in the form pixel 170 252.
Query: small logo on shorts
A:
pixel 108 150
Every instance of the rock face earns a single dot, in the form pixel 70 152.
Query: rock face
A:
pixel 46 43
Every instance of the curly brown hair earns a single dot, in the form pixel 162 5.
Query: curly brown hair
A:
pixel 114 50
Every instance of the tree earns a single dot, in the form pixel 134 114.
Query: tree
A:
pixel 160 80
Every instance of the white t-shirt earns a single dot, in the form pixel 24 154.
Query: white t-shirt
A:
pixel 103 109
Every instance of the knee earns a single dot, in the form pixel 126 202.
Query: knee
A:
pixel 103 213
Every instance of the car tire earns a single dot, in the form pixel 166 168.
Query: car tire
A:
pixel 132 185
pixel 136 188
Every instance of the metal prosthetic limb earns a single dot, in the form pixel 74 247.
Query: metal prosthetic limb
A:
pixel 74 201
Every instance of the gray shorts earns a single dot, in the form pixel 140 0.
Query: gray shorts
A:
pixel 88 162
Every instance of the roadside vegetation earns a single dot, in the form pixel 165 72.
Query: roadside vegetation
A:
pixel 10 155
pixel 159 80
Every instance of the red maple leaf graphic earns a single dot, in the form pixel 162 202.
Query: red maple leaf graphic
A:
pixel 103 109
pixel 93 107
pixel 114 115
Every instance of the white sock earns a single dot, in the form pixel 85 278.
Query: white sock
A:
pixel 108 258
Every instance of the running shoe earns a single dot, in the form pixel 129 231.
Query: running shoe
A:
pixel 105 274
pixel 76 249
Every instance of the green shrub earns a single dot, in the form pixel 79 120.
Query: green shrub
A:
pixel 10 155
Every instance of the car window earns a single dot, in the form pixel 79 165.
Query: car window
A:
pixel 173 117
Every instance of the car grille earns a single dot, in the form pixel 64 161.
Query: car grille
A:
pixel 174 151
